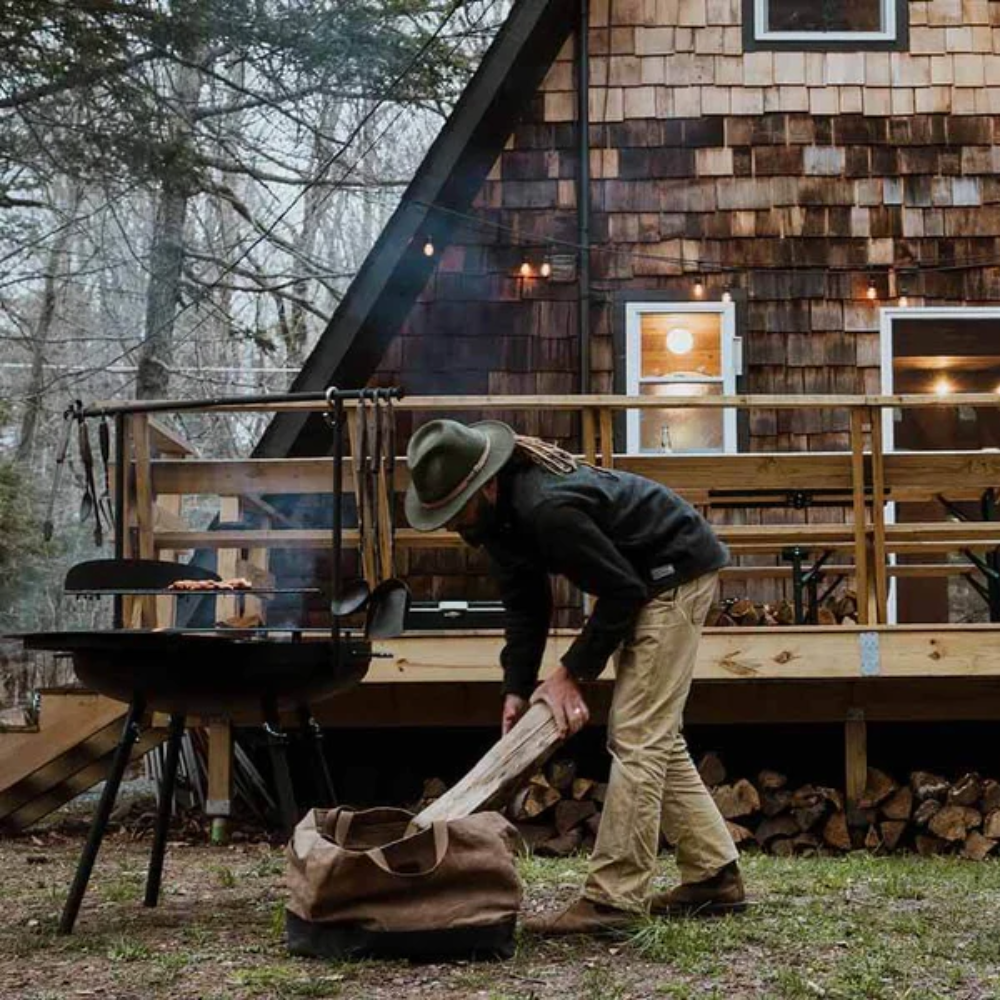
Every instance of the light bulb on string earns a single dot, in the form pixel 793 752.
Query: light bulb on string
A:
pixel 429 247
pixel 525 269
pixel 943 386
pixel 727 295
pixel 904 301
pixel 699 288
pixel 872 291
pixel 546 269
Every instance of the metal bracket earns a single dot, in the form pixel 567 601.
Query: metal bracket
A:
pixel 871 661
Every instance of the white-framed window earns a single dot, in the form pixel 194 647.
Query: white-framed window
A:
pixel 825 21
pixel 677 349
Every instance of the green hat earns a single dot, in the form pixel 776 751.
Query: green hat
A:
pixel 449 462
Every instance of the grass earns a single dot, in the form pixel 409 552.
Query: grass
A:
pixel 900 928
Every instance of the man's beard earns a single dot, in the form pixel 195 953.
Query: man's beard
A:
pixel 485 523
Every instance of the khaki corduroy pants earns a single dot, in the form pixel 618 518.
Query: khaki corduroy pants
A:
pixel 654 784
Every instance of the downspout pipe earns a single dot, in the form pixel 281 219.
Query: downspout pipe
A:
pixel 583 191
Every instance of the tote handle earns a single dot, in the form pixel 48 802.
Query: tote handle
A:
pixel 377 854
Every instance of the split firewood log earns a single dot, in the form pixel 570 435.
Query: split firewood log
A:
pixel 600 792
pixel 873 839
pixel 724 621
pixel 778 826
pixel 991 825
pixel 953 823
pixel 836 833
pixel 860 819
pixel 892 831
pixel 740 834
pixel 785 613
pixel 807 843
pixel 771 781
pixel 991 796
pixel 560 774
pixel 768 618
pixel 531 801
pixel 782 847
pixel 534 834
pixel 737 800
pixel 928 786
pixel 976 846
pixel 878 787
pixel 832 795
pixel 591 824
pixel 582 788
pixel 744 612
pixel 824 616
pixel 712 618
pixel 928 846
pixel 562 846
pixel 776 802
pixel 711 769
pixel 966 791
pixel 570 813
pixel 899 805
pixel 925 811
pixel 808 816
pixel 434 788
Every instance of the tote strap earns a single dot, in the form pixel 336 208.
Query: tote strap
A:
pixel 337 822
pixel 377 854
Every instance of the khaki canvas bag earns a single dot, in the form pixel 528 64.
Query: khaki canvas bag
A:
pixel 365 884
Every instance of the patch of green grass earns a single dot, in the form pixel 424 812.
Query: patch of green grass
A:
pixel 286 981
pixel 124 949
pixel 550 873
pixel 600 982
pixel 225 877
pixel 125 886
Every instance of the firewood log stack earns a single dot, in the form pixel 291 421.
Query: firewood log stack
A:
pixel 558 812
pixel 744 613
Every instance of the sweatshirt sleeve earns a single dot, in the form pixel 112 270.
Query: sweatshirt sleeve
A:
pixel 526 593
pixel 575 546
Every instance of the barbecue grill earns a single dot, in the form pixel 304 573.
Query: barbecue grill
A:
pixel 206 672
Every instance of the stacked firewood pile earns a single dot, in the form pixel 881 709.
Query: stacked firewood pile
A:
pixel 742 612
pixel 557 812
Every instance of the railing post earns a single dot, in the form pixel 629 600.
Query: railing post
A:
pixel 860 518
pixel 879 557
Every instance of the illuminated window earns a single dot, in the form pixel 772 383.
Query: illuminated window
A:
pixel 674 350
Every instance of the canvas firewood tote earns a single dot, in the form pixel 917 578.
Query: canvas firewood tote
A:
pixel 366 884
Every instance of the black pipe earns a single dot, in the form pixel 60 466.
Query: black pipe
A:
pixel 213 402
pixel 168 782
pixel 120 528
pixel 583 191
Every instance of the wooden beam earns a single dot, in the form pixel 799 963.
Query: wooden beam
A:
pixel 855 758
pixel 219 802
pixel 860 517
pixel 607 438
pixel 144 503
pixel 166 441
pixel 879 558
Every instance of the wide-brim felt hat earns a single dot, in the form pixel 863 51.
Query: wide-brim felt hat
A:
pixel 449 463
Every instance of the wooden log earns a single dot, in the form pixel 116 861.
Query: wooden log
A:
pixel 976 846
pixel 735 801
pixel 740 834
pixel 779 826
pixel 776 802
pixel 899 805
pixel 824 616
pixel 873 839
pixel 600 792
pixel 434 788
pixel 832 795
pixel 966 791
pixel 807 843
pixel 925 811
pixel 711 769
pixel 808 816
pixel 878 788
pixel 561 774
pixel 524 748
pixel 892 831
pixel 562 846
pixel 569 814
pixel 928 786
pixel 928 846
pixel 531 801
pixel 782 847
pixel 951 823
pixel 771 781
pixel 535 834
pixel 991 825
pixel 836 833
pixel 990 798
pixel 592 824
pixel 582 788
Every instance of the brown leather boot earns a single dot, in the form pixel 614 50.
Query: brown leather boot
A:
pixel 712 897
pixel 583 917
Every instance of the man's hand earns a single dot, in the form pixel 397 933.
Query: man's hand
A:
pixel 562 694
pixel 514 706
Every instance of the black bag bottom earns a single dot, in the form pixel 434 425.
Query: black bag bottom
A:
pixel 340 941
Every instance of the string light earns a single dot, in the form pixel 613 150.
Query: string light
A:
pixel 699 288
pixel 727 295
pixel 872 291
pixel 546 269
pixel 904 301
pixel 942 387
pixel 429 248
pixel 525 269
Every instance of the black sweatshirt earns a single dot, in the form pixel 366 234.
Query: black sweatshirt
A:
pixel 616 536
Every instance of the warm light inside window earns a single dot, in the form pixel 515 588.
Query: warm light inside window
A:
pixel 680 340
pixel 943 386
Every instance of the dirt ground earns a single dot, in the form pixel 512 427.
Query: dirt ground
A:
pixel 823 927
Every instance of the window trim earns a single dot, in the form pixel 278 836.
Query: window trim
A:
pixel 895 37
pixel 732 364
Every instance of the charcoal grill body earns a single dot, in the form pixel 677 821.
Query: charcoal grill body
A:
pixel 210 675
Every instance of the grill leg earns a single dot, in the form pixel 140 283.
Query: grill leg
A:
pixel 167 783
pixel 277 744
pixel 99 824
pixel 313 731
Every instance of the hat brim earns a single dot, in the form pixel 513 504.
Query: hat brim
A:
pixel 502 440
